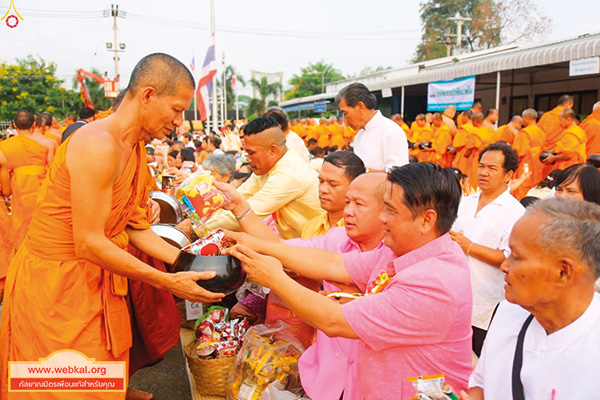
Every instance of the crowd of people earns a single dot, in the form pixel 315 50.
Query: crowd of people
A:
pixel 392 251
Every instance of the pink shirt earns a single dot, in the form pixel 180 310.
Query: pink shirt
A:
pixel 328 367
pixel 419 325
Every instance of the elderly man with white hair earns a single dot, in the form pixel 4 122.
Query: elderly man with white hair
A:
pixel 544 343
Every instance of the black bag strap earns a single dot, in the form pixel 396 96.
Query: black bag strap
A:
pixel 518 393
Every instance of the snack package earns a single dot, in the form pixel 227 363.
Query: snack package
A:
pixel 269 355
pixel 202 196
pixel 432 388
pixel 216 336
pixel 209 245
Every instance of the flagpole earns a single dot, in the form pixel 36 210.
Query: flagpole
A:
pixel 214 92
pixel 194 74
pixel 224 109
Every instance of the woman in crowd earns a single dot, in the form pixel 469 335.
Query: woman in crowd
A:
pixel 221 166
pixel 579 182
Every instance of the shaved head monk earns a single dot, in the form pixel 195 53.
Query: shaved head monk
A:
pixel 66 286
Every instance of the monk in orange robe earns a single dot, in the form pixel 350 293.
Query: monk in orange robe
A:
pixel 459 141
pixel 23 162
pixel 528 145
pixel 448 118
pixel 442 139
pixel 66 285
pixel 508 132
pixel 570 148
pixel 6 244
pixel 422 133
pixel 491 118
pixel 400 121
pixel 479 138
pixel 591 126
pixel 550 124
pixel 464 119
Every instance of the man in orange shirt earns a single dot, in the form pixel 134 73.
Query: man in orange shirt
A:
pixel 550 124
pixel 479 138
pixel 591 126
pixel 528 145
pixel 491 118
pixel 460 140
pixel 570 149
pixel 88 211
pixel 507 132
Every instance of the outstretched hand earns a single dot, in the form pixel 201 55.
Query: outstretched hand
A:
pixel 236 199
pixel 243 239
pixel 261 269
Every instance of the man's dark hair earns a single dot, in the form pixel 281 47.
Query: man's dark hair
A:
pixel 565 98
pixel 44 118
pixel 188 136
pixel 279 115
pixel 260 124
pixel 490 111
pixel 187 154
pixel 312 141
pixel 174 153
pixel 587 178
pixel 162 72
pixel 216 141
pixel 429 186
pixel 352 164
pixel 86 113
pixel 24 119
pixel 317 151
pixel 355 92
pixel 511 160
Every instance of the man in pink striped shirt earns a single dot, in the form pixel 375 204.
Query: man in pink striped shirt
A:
pixel 418 322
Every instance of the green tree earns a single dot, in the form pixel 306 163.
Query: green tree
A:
pixel 493 22
pixel 230 72
pixel 31 84
pixel 264 89
pixel 312 80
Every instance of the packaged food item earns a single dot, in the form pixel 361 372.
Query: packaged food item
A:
pixel 202 196
pixel 432 388
pixel 168 184
pixel 216 336
pixel 209 245
pixel 269 355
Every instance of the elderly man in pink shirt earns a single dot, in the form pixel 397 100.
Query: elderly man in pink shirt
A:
pixel 415 317
pixel 328 367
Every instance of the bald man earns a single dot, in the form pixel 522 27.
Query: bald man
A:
pixel 550 123
pixel 591 126
pixel 282 184
pixel 400 121
pixel 66 286
pixel 480 137
pixel 460 140
pixel 507 132
pixel 570 148
pixel 528 145
pixel 421 133
pixel 448 118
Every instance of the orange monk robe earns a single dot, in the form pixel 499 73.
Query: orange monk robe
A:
pixel 27 160
pixel 311 133
pixel 338 141
pixel 335 130
pixel 442 138
pixel 414 127
pixel 478 139
pixel 506 134
pixel 460 140
pixel 406 129
pixel 54 300
pixel 6 243
pixel 591 126
pixel 528 145
pixel 572 143
pixel 460 120
pixel 55 135
pixel 420 135
pixel 300 130
pixel 550 124
pixel 324 139
pixel 349 133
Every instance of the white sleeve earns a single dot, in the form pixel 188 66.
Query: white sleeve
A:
pixel 395 148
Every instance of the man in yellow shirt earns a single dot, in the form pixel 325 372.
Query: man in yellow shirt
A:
pixel 282 184
pixel 570 148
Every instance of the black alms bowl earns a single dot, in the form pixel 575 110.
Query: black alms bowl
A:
pixel 230 275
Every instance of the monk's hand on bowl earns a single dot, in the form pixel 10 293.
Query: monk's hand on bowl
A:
pixel 183 285
pixel 235 199
pixel 154 212
pixel 261 269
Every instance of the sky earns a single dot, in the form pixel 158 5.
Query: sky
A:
pixel 261 35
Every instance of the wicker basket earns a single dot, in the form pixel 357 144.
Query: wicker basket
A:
pixel 210 375
pixel 180 303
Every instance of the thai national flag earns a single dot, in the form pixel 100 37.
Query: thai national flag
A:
pixel 223 58
pixel 205 84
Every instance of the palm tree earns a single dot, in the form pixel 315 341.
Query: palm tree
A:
pixel 230 72
pixel 264 89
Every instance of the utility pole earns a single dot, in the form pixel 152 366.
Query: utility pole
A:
pixel 114 12
pixel 459 23
pixel 214 91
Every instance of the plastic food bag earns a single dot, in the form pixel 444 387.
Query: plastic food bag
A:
pixel 274 392
pixel 269 355
pixel 201 196
pixel 432 388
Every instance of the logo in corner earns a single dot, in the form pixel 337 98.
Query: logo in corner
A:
pixel 12 20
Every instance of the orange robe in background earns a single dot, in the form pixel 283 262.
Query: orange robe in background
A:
pixel 506 134
pixel 573 143
pixel 528 145
pixel 591 126
pixel 420 135
pixel 406 129
pixel 460 140
pixel 442 138
pixel 477 141
pixel 27 160
pixel 53 299
pixel 549 123
pixel 6 243
pixel 349 133
pixel 300 130
pixel 54 134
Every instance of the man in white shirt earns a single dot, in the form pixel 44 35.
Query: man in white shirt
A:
pixel 380 142
pixel 550 277
pixel 292 140
pixel 485 220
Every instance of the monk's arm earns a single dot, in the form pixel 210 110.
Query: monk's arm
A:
pixel 152 244
pixel 92 164
pixel 4 176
